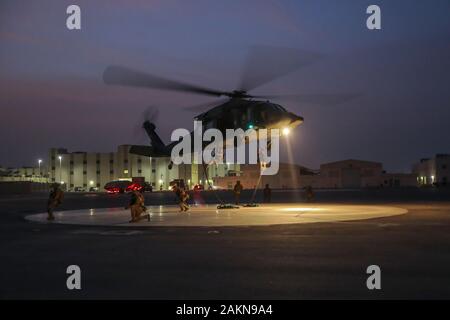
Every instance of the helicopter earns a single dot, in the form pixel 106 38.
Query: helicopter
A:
pixel 237 108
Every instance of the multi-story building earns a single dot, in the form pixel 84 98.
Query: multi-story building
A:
pixel 433 171
pixel 93 170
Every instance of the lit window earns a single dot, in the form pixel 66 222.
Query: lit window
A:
pixel 125 171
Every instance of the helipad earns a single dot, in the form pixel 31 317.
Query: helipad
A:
pixel 209 215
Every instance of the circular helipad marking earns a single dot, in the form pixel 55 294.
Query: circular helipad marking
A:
pixel 210 216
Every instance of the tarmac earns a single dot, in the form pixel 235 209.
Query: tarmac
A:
pixel 210 216
pixel 326 260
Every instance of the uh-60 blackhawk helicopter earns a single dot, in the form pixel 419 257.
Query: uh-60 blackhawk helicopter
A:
pixel 238 108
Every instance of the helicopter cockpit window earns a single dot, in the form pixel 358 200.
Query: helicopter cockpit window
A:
pixel 263 113
pixel 278 107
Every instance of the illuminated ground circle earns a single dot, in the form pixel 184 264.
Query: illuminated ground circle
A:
pixel 209 216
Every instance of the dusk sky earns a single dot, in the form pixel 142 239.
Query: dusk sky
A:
pixel 52 94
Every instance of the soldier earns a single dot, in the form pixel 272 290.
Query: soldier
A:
pixel 54 200
pixel 237 191
pixel 267 192
pixel 137 207
pixel 309 193
pixel 182 196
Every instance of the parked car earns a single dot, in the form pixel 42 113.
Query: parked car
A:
pixel 147 187
pixel 117 186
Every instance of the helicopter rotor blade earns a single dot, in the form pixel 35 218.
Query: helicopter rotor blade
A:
pixel 314 99
pixel 265 63
pixel 117 75
pixel 151 113
pixel 205 106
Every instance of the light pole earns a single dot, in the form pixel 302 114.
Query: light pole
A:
pixel 60 169
pixel 39 163
pixel 150 172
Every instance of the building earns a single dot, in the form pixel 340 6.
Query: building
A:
pixel 351 174
pixel 91 171
pixel 30 174
pixel 398 180
pixel 87 171
pixel 433 171
pixel 345 174
pixel 289 176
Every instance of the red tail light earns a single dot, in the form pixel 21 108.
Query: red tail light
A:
pixel 134 187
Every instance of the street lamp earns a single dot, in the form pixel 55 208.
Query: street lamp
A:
pixel 150 172
pixel 39 163
pixel 60 169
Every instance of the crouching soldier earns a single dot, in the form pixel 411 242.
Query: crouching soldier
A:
pixel 137 207
pixel 54 200
pixel 182 197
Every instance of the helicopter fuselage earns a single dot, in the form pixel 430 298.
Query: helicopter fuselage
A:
pixel 248 114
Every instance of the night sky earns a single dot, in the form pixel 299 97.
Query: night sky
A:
pixel 52 94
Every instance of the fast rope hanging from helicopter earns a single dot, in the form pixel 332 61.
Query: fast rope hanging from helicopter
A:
pixel 222 204
pixel 205 172
pixel 262 164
